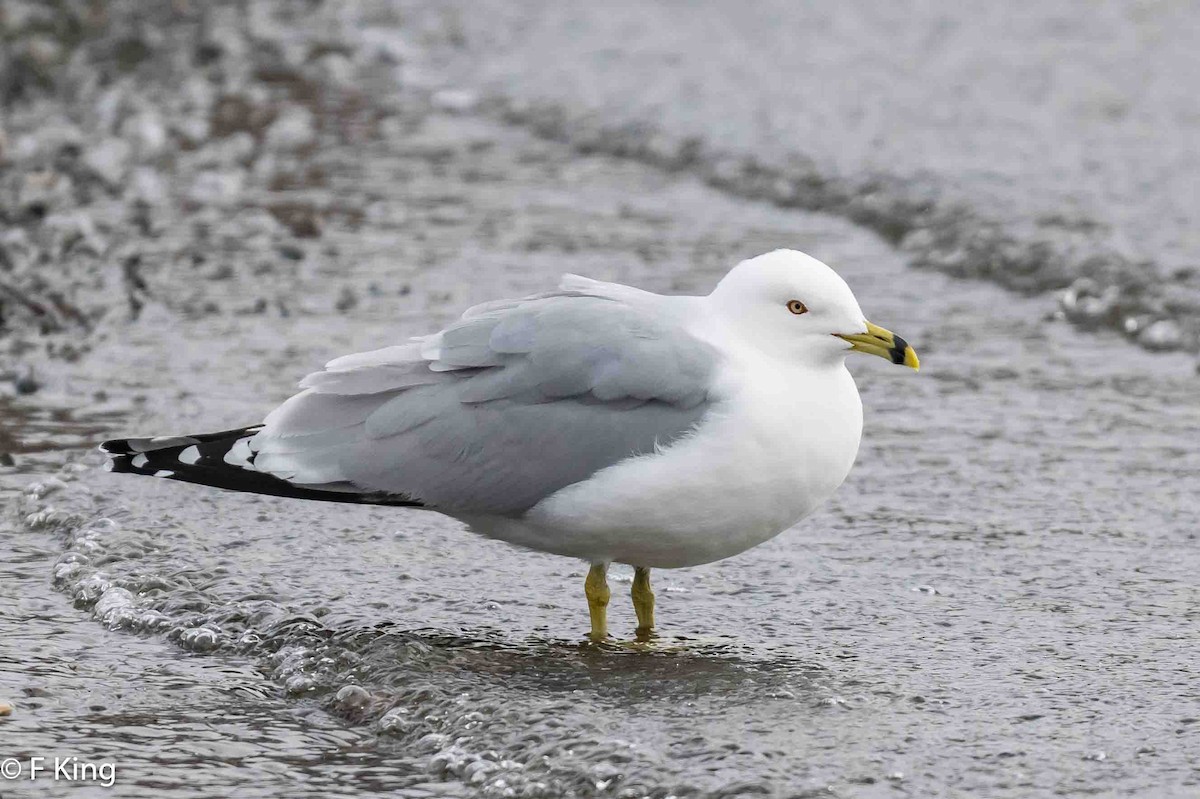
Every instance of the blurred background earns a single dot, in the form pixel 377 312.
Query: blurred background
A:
pixel 202 201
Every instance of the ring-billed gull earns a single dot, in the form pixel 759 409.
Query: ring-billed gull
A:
pixel 596 421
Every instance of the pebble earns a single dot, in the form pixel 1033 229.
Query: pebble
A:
pixel 146 185
pixel 26 383
pixel 109 161
pixel 43 51
pixel 217 188
pixel 1085 304
pixel 43 191
pixel 147 132
pixel 337 69
pixel 455 101
pixel 347 300
pixel 294 129
pixel 1161 336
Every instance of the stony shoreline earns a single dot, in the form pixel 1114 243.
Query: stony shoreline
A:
pixel 145 149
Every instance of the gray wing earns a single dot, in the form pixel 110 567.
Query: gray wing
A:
pixel 498 411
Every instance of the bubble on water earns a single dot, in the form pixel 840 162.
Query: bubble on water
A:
pixel 72 557
pixel 432 742
pixel 1087 304
pixel 249 639
pixel 198 639
pixel 114 605
pixel 472 768
pixel 151 621
pixel 49 518
pixel 352 698
pixel 299 684
pixel 65 572
pixel 1098 756
pixel 398 722
pixel 45 488
pixel 91 588
pixel 477 771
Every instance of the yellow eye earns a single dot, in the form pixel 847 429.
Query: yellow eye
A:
pixel 797 307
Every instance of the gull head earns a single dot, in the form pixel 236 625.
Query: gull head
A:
pixel 790 304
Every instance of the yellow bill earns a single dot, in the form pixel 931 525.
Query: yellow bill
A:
pixel 884 343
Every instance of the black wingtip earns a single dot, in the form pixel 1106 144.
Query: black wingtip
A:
pixel 118 446
pixel 163 456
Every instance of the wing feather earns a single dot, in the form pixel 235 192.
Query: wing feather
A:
pixel 516 400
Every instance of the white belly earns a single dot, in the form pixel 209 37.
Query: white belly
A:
pixel 763 459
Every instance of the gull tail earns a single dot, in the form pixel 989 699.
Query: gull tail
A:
pixel 225 460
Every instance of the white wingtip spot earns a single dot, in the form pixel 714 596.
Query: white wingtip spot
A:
pixel 190 455
pixel 164 473
pixel 239 454
pixel 139 461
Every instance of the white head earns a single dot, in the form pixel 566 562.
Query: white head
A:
pixel 791 304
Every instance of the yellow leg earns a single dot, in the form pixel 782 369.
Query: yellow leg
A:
pixel 643 601
pixel 596 588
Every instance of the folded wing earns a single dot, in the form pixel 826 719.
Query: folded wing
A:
pixel 513 402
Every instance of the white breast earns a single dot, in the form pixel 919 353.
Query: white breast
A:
pixel 766 456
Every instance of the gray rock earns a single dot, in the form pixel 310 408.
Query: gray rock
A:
pixel 294 129
pixel 1162 336
pixel 146 185
pixel 455 101
pixel 147 133
pixel 110 106
pixel 26 383
pixel 220 188
pixel 43 191
pixel 347 300
pixel 231 151
pixel 383 45
pixel 49 140
pixel 194 130
pixel 75 230
pixel 1085 304
pixel 337 69
pixel 109 161
pixel 43 51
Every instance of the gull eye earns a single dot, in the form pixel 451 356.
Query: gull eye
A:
pixel 797 307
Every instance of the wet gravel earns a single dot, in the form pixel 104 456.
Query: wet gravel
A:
pixel 997 603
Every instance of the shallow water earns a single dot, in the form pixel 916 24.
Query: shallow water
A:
pixel 999 602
